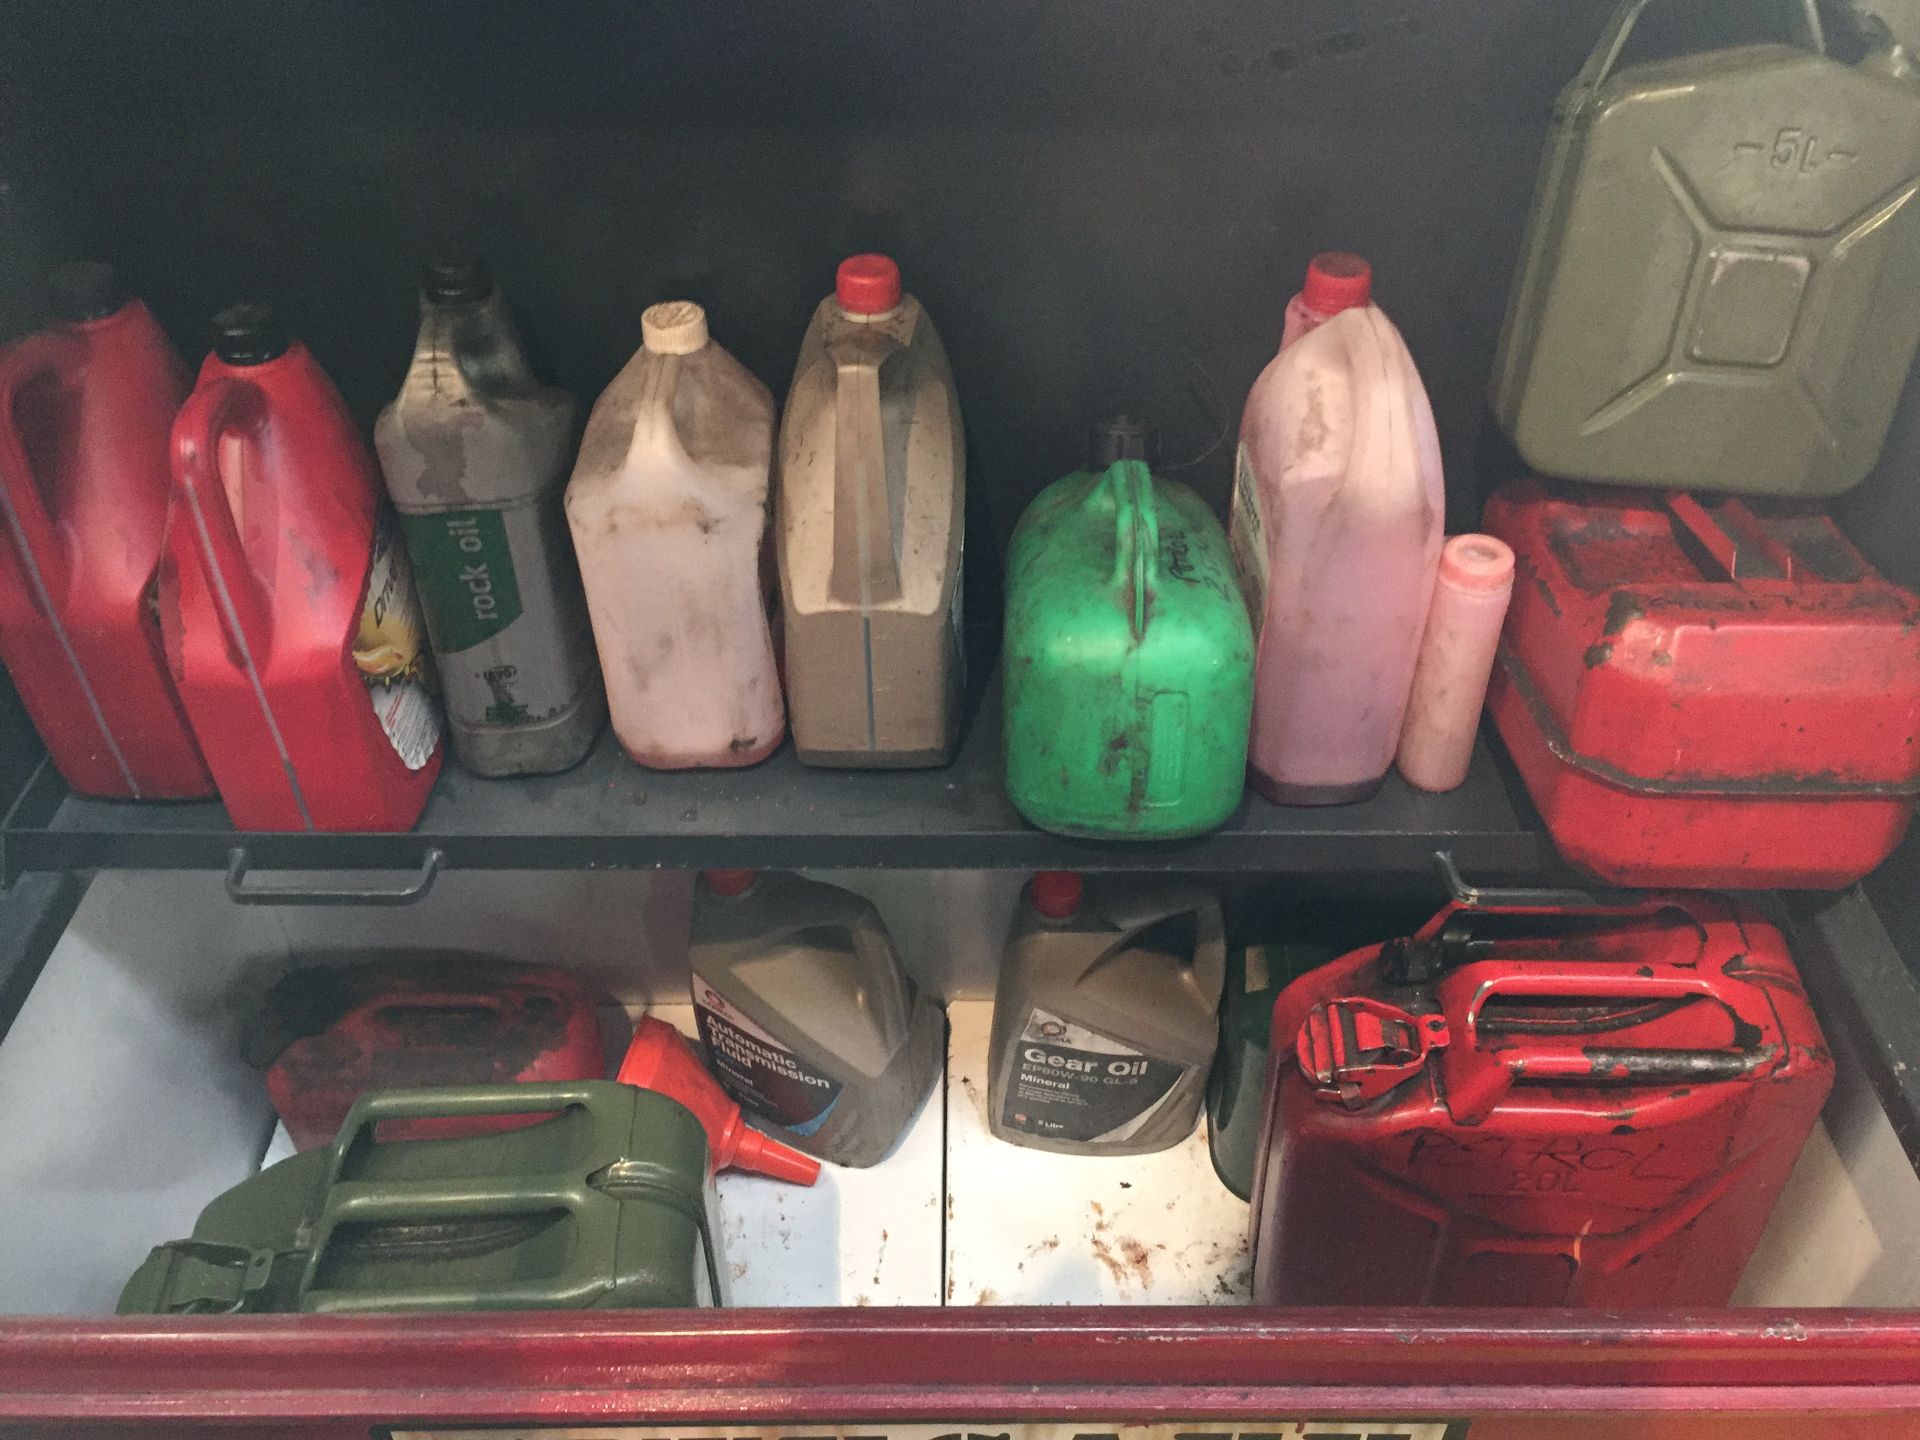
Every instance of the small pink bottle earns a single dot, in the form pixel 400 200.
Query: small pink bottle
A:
pixel 1456 659
pixel 1338 505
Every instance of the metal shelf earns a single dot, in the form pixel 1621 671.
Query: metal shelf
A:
pixel 609 812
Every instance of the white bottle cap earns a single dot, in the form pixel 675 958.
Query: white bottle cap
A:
pixel 674 327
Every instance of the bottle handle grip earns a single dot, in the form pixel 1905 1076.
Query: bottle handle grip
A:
pixel 1613 40
pixel 865 566
pixel 214 411
pixel 30 527
pixel 1136 536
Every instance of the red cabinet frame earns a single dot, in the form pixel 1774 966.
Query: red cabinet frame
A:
pixel 1727 1375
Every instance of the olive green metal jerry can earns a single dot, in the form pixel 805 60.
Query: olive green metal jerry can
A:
pixel 1128 657
pixel 604 1203
pixel 1720 288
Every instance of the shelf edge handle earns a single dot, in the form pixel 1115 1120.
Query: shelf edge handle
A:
pixel 405 893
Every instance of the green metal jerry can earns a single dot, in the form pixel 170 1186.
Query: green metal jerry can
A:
pixel 603 1203
pixel 1129 659
pixel 1721 281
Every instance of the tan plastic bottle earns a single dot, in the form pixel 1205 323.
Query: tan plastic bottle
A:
pixel 872 507
pixel 1104 1025
pixel 807 1017
pixel 668 507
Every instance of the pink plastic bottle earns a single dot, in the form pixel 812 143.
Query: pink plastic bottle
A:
pixel 668 507
pixel 1456 659
pixel 1337 511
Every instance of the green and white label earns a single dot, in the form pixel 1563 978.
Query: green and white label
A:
pixel 510 650
pixel 466 576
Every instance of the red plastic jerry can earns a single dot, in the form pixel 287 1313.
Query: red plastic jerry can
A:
pixel 288 605
pixel 85 410
pixel 1536 1105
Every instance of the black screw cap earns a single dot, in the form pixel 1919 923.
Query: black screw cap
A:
pixel 1122 439
pixel 85 290
pixel 455 282
pixel 247 333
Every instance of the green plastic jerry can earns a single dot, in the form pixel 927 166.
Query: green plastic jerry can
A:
pixel 604 1203
pixel 1237 1087
pixel 1128 657
pixel 1720 287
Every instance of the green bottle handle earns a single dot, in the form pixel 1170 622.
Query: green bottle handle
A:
pixel 1136 534
pixel 1613 40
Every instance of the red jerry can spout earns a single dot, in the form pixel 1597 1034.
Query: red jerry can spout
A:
pixel 660 1059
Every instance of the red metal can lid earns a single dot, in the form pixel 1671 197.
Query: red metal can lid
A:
pixel 731 882
pixel 867 285
pixel 1337 280
pixel 1056 893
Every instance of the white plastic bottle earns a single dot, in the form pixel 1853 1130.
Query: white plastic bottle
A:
pixel 1338 506
pixel 668 508
pixel 1456 661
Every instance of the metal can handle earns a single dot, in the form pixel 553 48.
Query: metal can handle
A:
pixel 239 865
pixel 1478 1076
pixel 1613 40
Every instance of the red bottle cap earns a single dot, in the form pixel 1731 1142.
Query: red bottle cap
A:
pixel 867 285
pixel 1056 893
pixel 731 882
pixel 659 1059
pixel 1336 281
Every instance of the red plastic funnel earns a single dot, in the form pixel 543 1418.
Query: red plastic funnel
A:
pixel 660 1059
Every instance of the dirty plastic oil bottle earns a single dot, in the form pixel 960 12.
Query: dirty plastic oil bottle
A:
pixel 1338 506
pixel 1104 1024
pixel 474 450
pixel 807 1016
pixel 668 507
pixel 85 411
pixel 871 516
pixel 1129 662
pixel 286 598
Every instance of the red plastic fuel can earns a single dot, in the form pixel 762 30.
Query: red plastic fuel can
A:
pixel 1705 694
pixel 329 1033
pixel 1536 1105
pixel 85 409
pixel 288 605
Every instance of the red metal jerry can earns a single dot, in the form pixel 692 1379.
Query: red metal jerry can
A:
pixel 329 1033
pixel 1718 695
pixel 1536 1104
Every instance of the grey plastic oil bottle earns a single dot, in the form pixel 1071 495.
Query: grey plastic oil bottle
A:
pixel 807 1017
pixel 1104 1025
pixel 475 454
